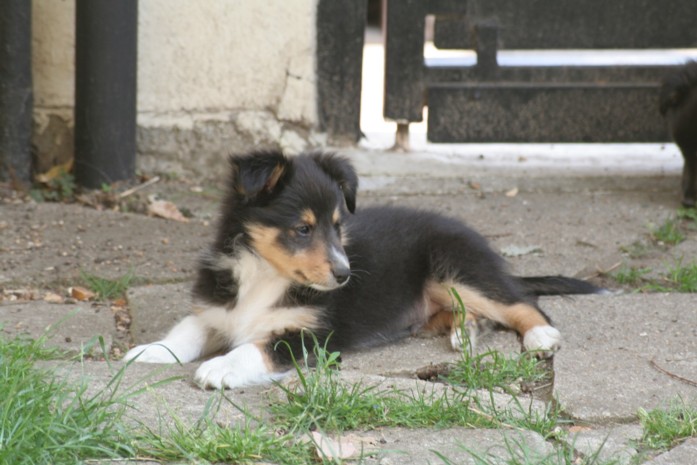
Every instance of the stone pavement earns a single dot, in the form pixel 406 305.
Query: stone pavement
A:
pixel 620 352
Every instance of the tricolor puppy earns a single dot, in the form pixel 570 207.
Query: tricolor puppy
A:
pixel 293 254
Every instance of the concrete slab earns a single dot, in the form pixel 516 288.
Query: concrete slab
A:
pixel 459 445
pixel 69 327
pixel 684 454
pixel 615 443
pixel 605 371
pixel 49 243
pixel 155 309
pixel 159 404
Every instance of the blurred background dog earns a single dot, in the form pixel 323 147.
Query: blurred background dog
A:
pixel 678 103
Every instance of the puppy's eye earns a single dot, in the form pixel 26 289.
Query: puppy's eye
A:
pixel 337 227
pixel 303 230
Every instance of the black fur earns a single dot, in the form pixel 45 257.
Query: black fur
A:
pixel 678 103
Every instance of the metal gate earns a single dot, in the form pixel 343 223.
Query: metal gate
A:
pixel 487 102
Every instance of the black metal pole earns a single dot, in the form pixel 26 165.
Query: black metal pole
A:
pixel 340 36
pixel 16 98
pixel 105 91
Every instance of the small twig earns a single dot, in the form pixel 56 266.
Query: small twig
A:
pixel 135 189
pixel 672 375
pixel 601 272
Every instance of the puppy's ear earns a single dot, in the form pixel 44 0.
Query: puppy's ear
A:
pixel 341 171
pixel 258 173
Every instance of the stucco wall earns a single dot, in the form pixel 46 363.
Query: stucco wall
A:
pixel 214 77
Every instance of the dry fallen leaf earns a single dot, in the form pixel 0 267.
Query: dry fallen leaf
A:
pixel 512 193
pixel 55 172
pixel 578 429
pixel 349 446
pixel 165 209
pixel 52 298
pixel 81 294
pixel 20 294
pixel 328 448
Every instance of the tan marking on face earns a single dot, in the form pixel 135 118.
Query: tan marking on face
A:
pixel 308 217
pixel 520 316
pixel 336 216
pixel 310 266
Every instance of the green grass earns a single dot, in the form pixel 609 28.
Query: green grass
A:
pixel 320 400
pixel 108 289
pixel 669 232
pixel 631 276
pixel 494 370
pixel 688 214
pixel 683 277
pixel 60 188
pixel 44 419
pixel 678 278
pixel 210 442
pixel 517 452
pixel 637 249
pixel 665 428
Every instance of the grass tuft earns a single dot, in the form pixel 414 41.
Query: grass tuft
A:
pixel 494 370
pixel 630 276
pixel 108 289
pixel 665 428
pixel 211 442
pixel 669 232
pixel 516 452
pixel 683 278
pixel 44 419
pixel 322 401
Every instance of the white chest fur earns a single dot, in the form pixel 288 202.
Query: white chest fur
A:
pixel 256 315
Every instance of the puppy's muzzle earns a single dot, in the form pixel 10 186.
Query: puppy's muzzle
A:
pixel 340 267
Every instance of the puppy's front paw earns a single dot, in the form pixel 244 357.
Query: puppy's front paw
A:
pixel 216 373
pixel 151 353
pixel 243 366
pixel 543 340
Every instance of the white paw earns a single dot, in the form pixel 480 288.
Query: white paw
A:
pixel 243 366
pixel 544 340
pixel 458 341
pixel 151 353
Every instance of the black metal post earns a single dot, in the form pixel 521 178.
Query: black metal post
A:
pixel 16 98
pixel 340 36
pixel 105 91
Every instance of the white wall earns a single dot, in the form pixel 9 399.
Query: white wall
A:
pixel 214 77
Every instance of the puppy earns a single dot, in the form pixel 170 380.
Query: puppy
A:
pixel 678 103
pixel 293 256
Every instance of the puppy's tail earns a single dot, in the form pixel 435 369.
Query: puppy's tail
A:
pixel 558 285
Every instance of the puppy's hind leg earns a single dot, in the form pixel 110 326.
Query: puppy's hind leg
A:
pixel 534 328
pixel 448 316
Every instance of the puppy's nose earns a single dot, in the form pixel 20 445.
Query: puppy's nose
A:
pixel 341 274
